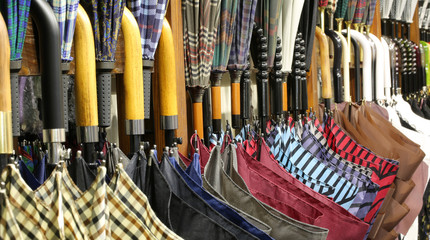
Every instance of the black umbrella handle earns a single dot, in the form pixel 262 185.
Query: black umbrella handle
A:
pixel 276 82
pixel 245 94
pixel 104 81
pixel 337 75
pixel 15 67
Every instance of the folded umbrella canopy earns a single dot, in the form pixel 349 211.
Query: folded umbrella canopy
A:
pixel 200 23
pixel 15 14
pixel 223 44
pixel 149 15
pixel 340 13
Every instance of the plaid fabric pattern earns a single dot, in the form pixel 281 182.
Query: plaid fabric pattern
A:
pixel 50 192
pixel 342 6
pixel 200 23
pixel 243 33
pixel 359 11
pixel 225 34
pixel 350 10
pixel 138 203
pixel 323 3
pixel 384 172
pixel 24 206
pixel 149 15
pixel 371 11
pixel 92 205
pixel 15 13
pixel 9 228
pixel 366 188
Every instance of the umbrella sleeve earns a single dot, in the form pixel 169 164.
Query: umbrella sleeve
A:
pixel 6 140
pixel 85 79
pixel 325 63
pixel 167 79
pixel 133 85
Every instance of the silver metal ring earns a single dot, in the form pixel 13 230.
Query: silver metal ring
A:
pixel 135 127
pixel 87 134
pixel 169 122
pixel 54 135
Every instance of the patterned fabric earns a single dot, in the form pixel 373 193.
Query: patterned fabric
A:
pixel 137 202
pixel 65 12
pixel 366 188
pixel 24 207
pixel 267 16
pixel 371 13
pixel 149 15
pixel 15 14
pixel 359 11
pixel 424 216
pixel 225 34
pixel 322 3
pixel 27 156
pixel 106 17
pixel 350 10
pixel 56 197
pixel 342 6
pixel 9 228
pixel 384 172
pixel 243 33
pixel 200 23
pixel 309 170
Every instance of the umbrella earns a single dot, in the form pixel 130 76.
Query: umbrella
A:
pixel 16 16
pixel 360 9
pixel 106 18
pixel 385 14
pixel 221 55
pixel 322 4
pixel 348 19
pixel 325 67
pixel 408 15
pixel 200 21
pixel 371 15
pixel 331 9
pixel 6 139
pixel 340 13
pixel 149 15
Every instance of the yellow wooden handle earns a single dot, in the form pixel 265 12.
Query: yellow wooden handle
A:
pixel 216 102
pixel 6 139
pixel 284 97
pixel 133 73
pixel 85 72
pixel 325 63
pixel 235 98
pixel 167 73
pixel 198 118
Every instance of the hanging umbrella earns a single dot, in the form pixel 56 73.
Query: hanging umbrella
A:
pixel 6 139
pixel 331 9
pixel 385 14
pixel 322 5
pixel 16 17
pixel 348 19
pixel 221 55
pixel 408 15
pixel 106 17
pixel 200 22
pixel 149 15
pixel 239 53
pixel 360 9
pixel 340 13
pixel 370 15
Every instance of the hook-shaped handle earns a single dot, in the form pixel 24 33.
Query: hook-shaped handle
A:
pixel 337 76
pixel 325 63
pixel 346 55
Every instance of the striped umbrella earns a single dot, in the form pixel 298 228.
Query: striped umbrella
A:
pixel 239 53
pixel 220 59
pixel 200 22
pixel 106 17
pixel 149 15
pixel 267 16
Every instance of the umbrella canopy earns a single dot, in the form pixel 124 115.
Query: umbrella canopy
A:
pixel 371 12
pixel 350 10
pixel 359 11
pixel 267 16
pixel 149 15
pixel 65 12
pixel 341 7
pixel 16 15
pixel 200 23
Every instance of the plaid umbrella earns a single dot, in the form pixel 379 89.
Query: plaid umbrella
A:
pixel 359 11
pixel 339 15
pixel 371 13
pixel 267 16
pixel 200 21
pixel 220 58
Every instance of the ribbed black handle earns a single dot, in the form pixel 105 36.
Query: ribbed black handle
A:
pixel 245 94
pixel 50 60
pixel 104 80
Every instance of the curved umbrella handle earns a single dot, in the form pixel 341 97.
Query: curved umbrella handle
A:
pixel 367 61
pixel 380 63
pixel 167 84
pixel 6 139
pixel 337 75
pixel 85 80
pixel 133 85
pixel 346 55
pixel 325 64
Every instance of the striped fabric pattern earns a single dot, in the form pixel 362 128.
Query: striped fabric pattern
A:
pixel 384 172
pixel 137 202
pixel 366 188
pixel 225 32
pixel 15 14
pixel 359 11
pixel 9 228
pixel 149 15
pixel 243 32
pixel 200 23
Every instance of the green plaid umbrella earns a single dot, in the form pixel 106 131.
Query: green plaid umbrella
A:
pixel 267 16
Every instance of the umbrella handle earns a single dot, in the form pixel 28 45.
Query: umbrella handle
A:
pixel 235 98
pixel 337 76
pixel 198 117
pixel 345 62
pixel 216 100
pixel 6 139
pixel 133 85
pixel 167 83
pixel 284 94
pixel 85 79
pixel 325 63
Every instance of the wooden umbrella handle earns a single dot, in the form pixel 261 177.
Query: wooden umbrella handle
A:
pixel 198 118
pixel 133 73
pixel 235 98
pixel 325 63
pixel 6 140
pixel 85 73
pixel 216 101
